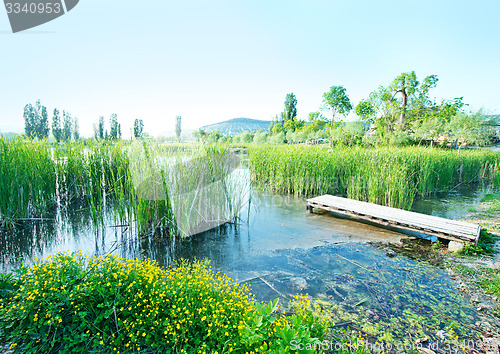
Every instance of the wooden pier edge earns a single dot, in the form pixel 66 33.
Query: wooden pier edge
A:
pixel 442 228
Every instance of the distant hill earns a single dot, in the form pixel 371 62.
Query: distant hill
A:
pixel 237 125
pixel 8 135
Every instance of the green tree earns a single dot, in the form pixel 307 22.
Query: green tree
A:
pixel 178 128
pixel 365 111
pixel 430 128
pixel 138 128
pixel 76 129
pixel 278 138
pixel 290 112
pixel 315 116
pixel 403 101
pixel 348 134
pixel 200 135
pixel 42 127
pixel 470 128
pixel 36 122
pixel 337 102
pixel 99 129
pixel 277 128
pixel 214 136
pixel 289 125
pixel 422 105
pixel 406 84
pixel 29 120
pixel 383 104
pixel 260 137
pixel 56 125
pixel 449 108
pixel 244 137
pixel 115 128
pixel 67 126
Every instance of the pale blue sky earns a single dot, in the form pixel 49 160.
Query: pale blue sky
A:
pixel 214 60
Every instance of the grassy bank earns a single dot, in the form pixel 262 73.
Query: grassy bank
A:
pixel 76 303
pixel 387 176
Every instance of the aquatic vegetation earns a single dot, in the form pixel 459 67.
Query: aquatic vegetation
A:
pixel 27 180
pixel 387 176
pixel 172 190
pixel 79 303
pixel 485 245
pixel 200 186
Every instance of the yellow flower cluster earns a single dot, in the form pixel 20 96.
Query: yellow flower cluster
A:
pixel 127 305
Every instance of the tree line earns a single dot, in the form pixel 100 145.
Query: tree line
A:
pixel 36 123
pixel 65 127
pixel 399 113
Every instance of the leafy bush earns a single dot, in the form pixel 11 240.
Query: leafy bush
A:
pixel 77 303
pixel 348 134
pixel 399 138
pixel 278 138
pixel 244 137
pixel 261 137
pixel 471 128
pixel 485 245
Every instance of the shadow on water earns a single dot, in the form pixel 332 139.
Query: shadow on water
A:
pixel 280 250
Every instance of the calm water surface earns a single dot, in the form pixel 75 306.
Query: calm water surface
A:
pixel 280 250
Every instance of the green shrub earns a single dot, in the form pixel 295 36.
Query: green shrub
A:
pixel 77 303
pixel 485 245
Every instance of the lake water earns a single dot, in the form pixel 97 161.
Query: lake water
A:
pixel 280 249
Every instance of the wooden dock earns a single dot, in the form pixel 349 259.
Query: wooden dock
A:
pixel 452 230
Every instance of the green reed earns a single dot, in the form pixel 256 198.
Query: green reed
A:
pixel 387 176
pixel 27 180
pixel 193 184
pixel 152 187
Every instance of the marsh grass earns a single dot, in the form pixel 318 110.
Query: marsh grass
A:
pixel 387 176
pixel 27 180
pixel 166 189
pixel 197 185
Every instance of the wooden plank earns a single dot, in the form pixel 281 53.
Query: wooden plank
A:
pixel 374 209
pixel 398 215
pixel 445 234
pixel 432 225
pixel 467 231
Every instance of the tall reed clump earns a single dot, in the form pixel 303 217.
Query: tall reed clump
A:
pixel 27 180
pixel 387 176
pixel 185 191
pixel 150 186
pixel 95 173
